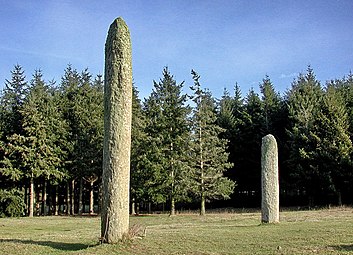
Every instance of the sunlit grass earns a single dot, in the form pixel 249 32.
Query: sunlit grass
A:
pixel 300 232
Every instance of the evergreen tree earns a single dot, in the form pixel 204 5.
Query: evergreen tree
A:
pixel 138 136
pixel 168 131
pixel 208 150
pixel 69 90
pixel 231 112
pixel 345 88
pixel 88 112
pixel 334 146
pixel 154 173
pixel 271 103
pixel 12 99
pixel 249 143
pixel 304 101
pixel 34 152
pixel 82 106
pixel 226 117
pixel 89 145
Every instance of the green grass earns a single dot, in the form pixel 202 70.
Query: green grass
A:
pixel 300 232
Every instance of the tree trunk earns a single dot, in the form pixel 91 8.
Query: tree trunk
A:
pixel 133 212
pixel 202 189
pixel 26 200
pixel 138 208
pixel 68 200
pixel 149 208
pixel 172 206
pixel 91 198
pixel 203 199
pixel 339 198
pixel 37 199
pixel 31 197
pixel 172 199
pixel 203 206
pixel 202 179
pixel 100 197
pixel 73 197
pixel 117 133
pixel 44 200
pixel 56 212
pixel 80 201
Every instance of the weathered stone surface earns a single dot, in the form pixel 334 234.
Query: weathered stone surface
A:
pixel 270 181
pixel 117 133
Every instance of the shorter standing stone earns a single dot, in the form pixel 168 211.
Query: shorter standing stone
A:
pixel 270 181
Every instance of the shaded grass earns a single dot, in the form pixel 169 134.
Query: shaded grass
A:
pixel 300 232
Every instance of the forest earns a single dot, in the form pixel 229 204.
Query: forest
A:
pixel 189 152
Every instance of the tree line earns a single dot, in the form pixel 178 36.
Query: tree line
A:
pixel 187 150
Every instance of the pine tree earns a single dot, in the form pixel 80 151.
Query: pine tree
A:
pixel 34 152
pixel 334 146
pixel 208 150
pixel 231 113
pixel 271 103
pixel 138 136
pixel 153 159
pixel 82 107
pixel 12 99
pixel 167 129
pixel 344 87
pixel 304 101
pixel 226 117
pixel 248 159
pixel 89 144
pixel 69 90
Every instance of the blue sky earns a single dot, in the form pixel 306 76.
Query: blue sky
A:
pixel 224 41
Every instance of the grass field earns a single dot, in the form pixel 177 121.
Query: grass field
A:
pixel 327 231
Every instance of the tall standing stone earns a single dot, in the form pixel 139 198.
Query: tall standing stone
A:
pixel 270 181
pixel 117 133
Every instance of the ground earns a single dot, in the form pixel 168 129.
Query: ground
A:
pixel 328 231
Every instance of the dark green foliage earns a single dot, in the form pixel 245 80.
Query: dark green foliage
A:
pixel 250 144
pixel 138 137
pixel 13 97
pixel 167 129
pixel 334 147
pixel 11 203
pixel 231 118
pixel 304 101
pixel 55 133
pixel 345 89
pixel 209 156
pixel 271 104
pixel 82 107
pixel 34 152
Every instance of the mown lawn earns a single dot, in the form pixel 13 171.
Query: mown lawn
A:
pixel 300 232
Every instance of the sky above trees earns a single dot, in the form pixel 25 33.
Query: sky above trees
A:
pixel 224 41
